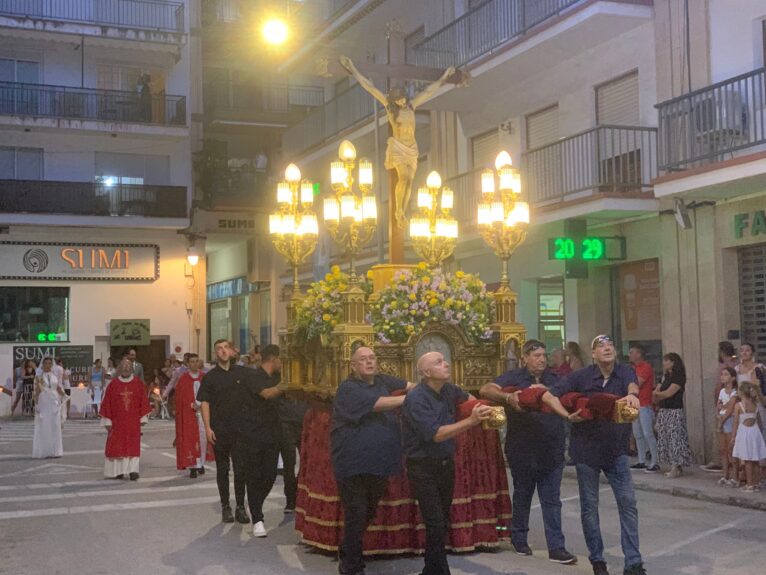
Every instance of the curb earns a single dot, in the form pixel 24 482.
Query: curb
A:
pixel 758 504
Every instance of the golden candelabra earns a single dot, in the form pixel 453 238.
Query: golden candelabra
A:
pixel 434 231
pixel 351 214
pixel 502 216
pixel 293 226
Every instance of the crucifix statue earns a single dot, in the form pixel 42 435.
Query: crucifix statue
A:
pixel 401 148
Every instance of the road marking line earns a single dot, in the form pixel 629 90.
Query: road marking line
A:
pixel 107 507
pixel 289 555
pixel 22 456
pixel 697 537
pixel 572 498
pixel 87 483
pixel 137 491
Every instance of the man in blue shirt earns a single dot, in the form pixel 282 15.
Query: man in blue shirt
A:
pixel 534 446
pixel 428 426
pixel 366 449
pixel 597 446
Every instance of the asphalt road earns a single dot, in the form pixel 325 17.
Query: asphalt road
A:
pixel 60 517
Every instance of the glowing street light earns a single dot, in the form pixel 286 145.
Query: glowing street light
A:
pixel 275 31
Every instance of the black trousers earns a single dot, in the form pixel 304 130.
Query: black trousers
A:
pixel 225 449
pixel 359 496
pixel 289 445
pixel 432 481
pixel 259 460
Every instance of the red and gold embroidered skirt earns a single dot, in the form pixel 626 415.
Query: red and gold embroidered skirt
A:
pixel 480 506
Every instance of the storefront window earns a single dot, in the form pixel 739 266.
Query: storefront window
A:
pixel 550 304
pixel 34 314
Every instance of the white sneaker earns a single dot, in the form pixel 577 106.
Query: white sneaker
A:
pixel 259 530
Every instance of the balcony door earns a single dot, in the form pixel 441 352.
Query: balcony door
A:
pixel 18 95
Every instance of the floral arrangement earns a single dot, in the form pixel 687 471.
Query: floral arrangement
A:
pixel 320 310
pixel 418 296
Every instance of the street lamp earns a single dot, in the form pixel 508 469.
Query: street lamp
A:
pixel 352 214
pixel 434 231
pixel 275 31
pixel 293 226
pixel 502 216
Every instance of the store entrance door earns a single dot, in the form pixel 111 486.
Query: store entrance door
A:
pixel 752 295
pixel 150 356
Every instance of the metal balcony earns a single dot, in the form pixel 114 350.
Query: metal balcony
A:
pixel 235 188
pixel 345 110
pixel 712 124
pixel 269 104
pixel 481 29
pixel 612 159
pixel 92 199
pixel 151 15
pixel 41 100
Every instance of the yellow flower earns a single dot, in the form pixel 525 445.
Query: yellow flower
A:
pixel 326 317
pixel 394 304
pixel 342 287
pixel 426 313
pixel 460 274
pixel 410 328
pixel 333 323
pixel 413 312
pixel 327 278
pixel 422 265
pixel 335 270
pixel 426 280
pixel 370 275
pixel 433 301
pixel 412 297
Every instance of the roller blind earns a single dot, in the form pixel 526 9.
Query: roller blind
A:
pixel 484 148
pixel 542 127
pixel 617 101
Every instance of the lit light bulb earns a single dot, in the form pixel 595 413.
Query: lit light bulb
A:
pixel 369 208
pixel 484 215
pixel 448 199
pixel 487 182
pixel 338 173
pixel 497 213
pixel 284 194
pixel 520 213
pixel 275 224
pixel 347 206
pixel 365 172
pixel 307 192
pixel 275 32
pixel 331 210
pixel 424 198
pixel 347 151
pixel 434 180
pixel 419 228
pixel 503 159
pixel 192 256
pixel 292 173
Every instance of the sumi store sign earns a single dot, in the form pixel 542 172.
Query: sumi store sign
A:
pixel 56 261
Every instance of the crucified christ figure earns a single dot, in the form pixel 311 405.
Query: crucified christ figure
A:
pixel 401 149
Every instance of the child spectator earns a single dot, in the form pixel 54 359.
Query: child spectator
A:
pixel 727 401
pixel 749 445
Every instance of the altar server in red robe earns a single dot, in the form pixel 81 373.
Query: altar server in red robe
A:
pixel 124 409
pixel 191 442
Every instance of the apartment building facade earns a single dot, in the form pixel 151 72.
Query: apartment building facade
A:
pixel 96 102
pixel 592 99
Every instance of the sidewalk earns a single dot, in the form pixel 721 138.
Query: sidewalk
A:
pixel 693 484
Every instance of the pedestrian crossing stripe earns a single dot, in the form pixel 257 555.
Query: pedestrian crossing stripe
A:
pixel 52 469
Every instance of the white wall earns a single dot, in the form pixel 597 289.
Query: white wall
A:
pixel 227 263
pixel 735 37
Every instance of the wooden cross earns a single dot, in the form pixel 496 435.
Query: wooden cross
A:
pixel 394 73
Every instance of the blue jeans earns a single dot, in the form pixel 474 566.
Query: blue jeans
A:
pixel 622 487
pixel 549 491
pixel 643 431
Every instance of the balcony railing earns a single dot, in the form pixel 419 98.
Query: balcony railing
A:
pixel 713 123
pixel 92 199
pixel 140 14
pixel 482 29
pixel 41 100
pixel 467 189
pixel 603 159
pixel 241 187
pixel 346 109
pixel 269 99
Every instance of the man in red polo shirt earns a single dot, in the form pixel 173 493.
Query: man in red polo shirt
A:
pixel 643 427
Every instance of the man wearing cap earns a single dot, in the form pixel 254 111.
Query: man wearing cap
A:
pixel 602 446
pixel 534 446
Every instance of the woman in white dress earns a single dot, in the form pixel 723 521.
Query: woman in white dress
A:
pixel 49 396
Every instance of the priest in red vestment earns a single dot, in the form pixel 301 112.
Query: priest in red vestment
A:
pixel 124 409
pixel 191 441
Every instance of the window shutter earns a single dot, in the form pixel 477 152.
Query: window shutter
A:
pixel 617 101
pixel 484 149
pixel 542 127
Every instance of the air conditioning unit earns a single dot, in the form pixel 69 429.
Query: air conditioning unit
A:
pixel 720 113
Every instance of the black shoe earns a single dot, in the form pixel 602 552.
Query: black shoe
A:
pixel 201 470
pixel 120 476
pixel 522 549
pixel 193 473
pixel 637 569
pixel 562 556
pixel 241 515
pixel 226 515
pixel 599 568
pixel 133 476
pixel 638 466
pixel 652 469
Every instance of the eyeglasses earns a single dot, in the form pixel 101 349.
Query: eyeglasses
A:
pixel 600 340
pixel 533 347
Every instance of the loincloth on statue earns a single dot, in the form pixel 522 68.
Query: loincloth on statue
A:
pixel 398 153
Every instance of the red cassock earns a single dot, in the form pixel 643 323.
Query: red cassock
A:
pixel 187 428
pixel 125 403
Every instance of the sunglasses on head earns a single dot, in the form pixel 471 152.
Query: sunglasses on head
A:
pixel 533 347
pixel 601 340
